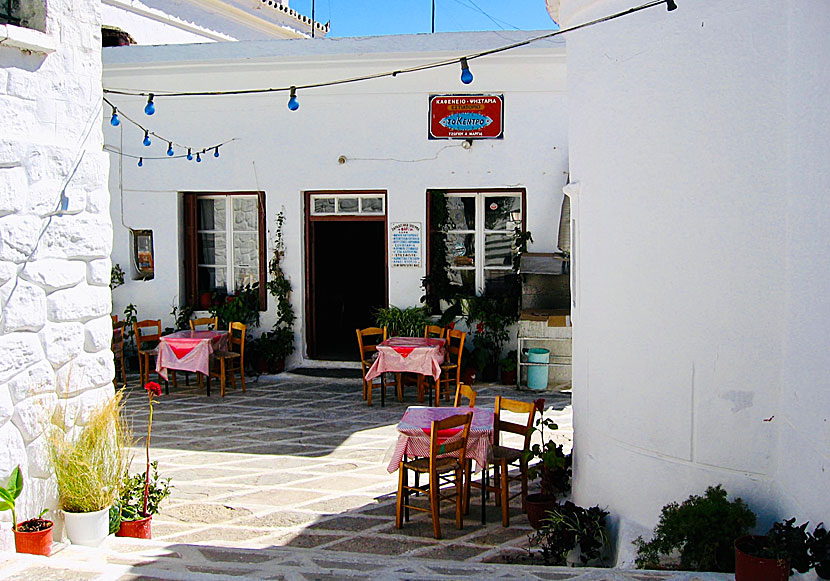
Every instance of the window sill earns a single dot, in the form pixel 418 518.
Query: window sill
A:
pixel 27 39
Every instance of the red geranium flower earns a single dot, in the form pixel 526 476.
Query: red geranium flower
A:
pixel 153 387
pixel 451 326
pixel 480 327
pixel 540 404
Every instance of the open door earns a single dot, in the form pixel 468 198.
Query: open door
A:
pixel 346 269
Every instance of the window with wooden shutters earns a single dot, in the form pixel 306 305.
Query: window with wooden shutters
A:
pixel 224 244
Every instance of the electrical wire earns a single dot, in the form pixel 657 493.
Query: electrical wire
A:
pixel 394 73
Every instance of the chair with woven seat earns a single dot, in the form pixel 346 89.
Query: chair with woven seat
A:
pixel 447 438
pixel 118 352
pixel 505 457
pixel 228 363
pixel 367 342
pixel 147 335
pixel 463 391
pixel 209 324
pixel 451 368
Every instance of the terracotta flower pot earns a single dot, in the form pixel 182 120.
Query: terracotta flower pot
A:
pixel 137 529
pixel 468 376
pixel 537 507
pixel 36 542
pixel 751 568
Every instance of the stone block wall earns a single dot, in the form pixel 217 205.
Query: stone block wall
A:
pixel 55 330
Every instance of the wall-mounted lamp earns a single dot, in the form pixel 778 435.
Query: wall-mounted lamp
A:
pixel 467 143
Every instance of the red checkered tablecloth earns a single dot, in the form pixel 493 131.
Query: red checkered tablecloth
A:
pixel 414 430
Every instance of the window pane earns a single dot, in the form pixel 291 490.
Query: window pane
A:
pixel 371 205
pixel 245 277
pixel 463 277
pixel 245 250
pixel 497 281
pixel 461 249
pixel 211 214
pixel 323 205
pixel 245 214
pixel 500 212
pixel 348 205
pixel 212 249
pixel 211 279
pixel 498 250
pixel 462 213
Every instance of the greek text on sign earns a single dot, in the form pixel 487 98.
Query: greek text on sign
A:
pixel 466 116
pixel 406 244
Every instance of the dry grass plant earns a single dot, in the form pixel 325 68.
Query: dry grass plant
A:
pixel 89 465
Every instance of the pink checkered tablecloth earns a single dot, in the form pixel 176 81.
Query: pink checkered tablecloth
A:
pixel 414 433
pixel 409 355
pixel 189 350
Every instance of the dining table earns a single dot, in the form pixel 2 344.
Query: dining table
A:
pixel 414 438
pixel 189 351
pixel 419 355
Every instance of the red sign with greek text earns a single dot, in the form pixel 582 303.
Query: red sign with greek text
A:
pixel 466 116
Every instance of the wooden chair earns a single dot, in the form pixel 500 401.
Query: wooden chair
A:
pixel 367 342
pixel 147 334
pixel 451 368
pixel 210 323
pixel 506 457
pixel 228 363
pixel 118 352
pixel 463 391
pixel 434 331
pixel 442 469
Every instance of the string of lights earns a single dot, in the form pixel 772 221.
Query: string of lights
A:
pixel 463 61
pixel 192 152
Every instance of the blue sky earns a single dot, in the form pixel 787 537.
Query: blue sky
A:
pixel 375 17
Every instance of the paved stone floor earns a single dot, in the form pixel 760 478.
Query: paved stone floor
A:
pixel 289 481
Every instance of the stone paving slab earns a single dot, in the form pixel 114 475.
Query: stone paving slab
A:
pixel 289 481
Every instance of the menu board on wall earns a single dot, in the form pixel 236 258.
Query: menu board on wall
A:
pixel 406 244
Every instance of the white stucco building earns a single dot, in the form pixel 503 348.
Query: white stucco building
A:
pixel 698 146
pixel 366 140
pixel 55 238
pixel 193 21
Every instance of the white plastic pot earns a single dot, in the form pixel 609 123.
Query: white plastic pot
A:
pixel 87 528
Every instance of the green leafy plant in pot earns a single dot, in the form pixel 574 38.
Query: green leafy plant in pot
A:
pixel 408 322
pixel 785 548
pixel 553 469
pixel 89 463
pixel 701 530
pixel 572 535
pixel 31 536
pixel 508 367
pixel 141 494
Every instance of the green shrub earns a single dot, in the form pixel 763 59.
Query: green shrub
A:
pixel 568 525
pixel 408 322
pixel 701 529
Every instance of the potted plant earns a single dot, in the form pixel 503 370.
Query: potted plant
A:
pixel 784 549
pixel 32 536
pixel 141 494
pixel 89 464
pixel 553 469
pixel 408 322
pixel 572 535
pixel 701 530
pixel 508 367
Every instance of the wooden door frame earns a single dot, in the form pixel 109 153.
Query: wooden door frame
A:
pixel 309 255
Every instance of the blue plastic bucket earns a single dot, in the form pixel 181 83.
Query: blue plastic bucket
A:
pixel 537 375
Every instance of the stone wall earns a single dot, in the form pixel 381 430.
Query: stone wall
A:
pixel 55 329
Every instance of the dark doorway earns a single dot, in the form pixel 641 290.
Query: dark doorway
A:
pixel 347 282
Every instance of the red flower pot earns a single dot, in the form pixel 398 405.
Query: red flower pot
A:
pixel 748 567
pixel 537 507
pixel 468 376
pixel 137 529
pixel 36 542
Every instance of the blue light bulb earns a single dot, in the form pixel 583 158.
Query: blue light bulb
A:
pixel 466 75
pixel 170 148
pixel 189 155
pixel 146 141
pixel 149 108
pixel 293 103
pixel 216 151
pixel 198 158
pixel 114 120
pixel 140 161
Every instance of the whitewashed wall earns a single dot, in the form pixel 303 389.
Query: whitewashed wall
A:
pixel 699 139
pixel 54 266
pixel 380 126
